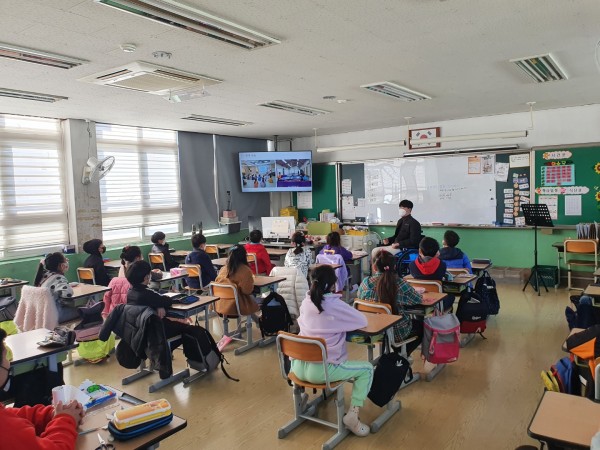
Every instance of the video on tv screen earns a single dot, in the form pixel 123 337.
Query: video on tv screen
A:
pixel 276 171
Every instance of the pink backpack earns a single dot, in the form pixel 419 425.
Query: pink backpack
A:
pixel 441 339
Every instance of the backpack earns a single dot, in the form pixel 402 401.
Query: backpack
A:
pixel 486 289
pixel 202 353
pixel 275 315
pixel 441 339
pixel 472 313
pixel 562 377
pixel 583 316
pixel 91 322
pixel 8 308
pixel 391 371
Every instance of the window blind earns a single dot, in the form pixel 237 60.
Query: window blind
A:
pixel 33 217
pixel 141 194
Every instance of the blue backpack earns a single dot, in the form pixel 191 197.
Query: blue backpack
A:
pixel 566 376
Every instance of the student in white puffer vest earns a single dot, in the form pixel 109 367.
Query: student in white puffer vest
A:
pixel 293 289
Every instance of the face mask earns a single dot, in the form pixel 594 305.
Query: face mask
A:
pixel 6 386
pixel 402 212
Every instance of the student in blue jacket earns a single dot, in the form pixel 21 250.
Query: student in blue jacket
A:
pixel 452 255
pixel 200 257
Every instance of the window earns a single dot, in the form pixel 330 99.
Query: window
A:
pixel 33 217
pixel 141 193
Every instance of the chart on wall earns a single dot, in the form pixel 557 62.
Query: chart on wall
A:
pixel 568 181
pixel 455 190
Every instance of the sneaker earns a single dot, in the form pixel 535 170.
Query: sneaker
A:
pixel 357 427
pixel 223 342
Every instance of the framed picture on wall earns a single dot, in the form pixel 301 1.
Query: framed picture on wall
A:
pixel 424 133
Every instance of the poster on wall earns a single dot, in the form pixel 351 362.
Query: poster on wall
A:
pixel 474 165
pixel 552 202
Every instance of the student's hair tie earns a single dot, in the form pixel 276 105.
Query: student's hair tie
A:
pixel 326 287
pixel 386 268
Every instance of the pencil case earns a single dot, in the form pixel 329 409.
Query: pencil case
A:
pixel 138 430
pixel 141 414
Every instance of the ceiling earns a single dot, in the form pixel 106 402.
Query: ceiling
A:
pixel 455 51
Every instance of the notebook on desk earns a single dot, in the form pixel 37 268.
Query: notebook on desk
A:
pixel 181 298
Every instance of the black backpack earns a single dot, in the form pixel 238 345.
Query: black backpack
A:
pixel 472 313
pixel 391 371
pixel 485 288
pixel 275 316
pixel 202 353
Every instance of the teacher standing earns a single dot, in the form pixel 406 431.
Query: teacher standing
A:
pixel 407 234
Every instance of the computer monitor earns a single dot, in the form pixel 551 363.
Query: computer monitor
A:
pixel 278 227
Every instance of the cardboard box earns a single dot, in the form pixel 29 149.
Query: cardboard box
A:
pixel 230 213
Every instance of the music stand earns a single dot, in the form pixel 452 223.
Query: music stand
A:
pixel 536 215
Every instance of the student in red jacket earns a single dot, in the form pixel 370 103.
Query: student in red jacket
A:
pixel 36 427
pixel 262 257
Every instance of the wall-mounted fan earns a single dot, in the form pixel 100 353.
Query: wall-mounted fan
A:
pixel 95 170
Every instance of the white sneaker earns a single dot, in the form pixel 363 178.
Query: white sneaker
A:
pixel 356 426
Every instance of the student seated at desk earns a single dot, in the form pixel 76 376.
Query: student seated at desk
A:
pixel 36 427
pixel 262 257
pixel 119 286
pixel 387 287
pixel 334 245
pixel 325 315
pixel 428 266
pixel 200 257
pixel 452 255
pixel 299 256
pixel 237 272
pixel 51 274
pixel 161 246
pixel 95 248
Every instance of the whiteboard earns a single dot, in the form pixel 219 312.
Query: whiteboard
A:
pixel 441 189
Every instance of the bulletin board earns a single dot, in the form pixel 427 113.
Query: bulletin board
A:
pixel 567 178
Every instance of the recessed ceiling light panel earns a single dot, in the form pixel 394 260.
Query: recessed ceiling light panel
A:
pixel 540 69
pixel 395 91
pixel 291 107
pixel 26 95
pixel 216 120
pixel 38 57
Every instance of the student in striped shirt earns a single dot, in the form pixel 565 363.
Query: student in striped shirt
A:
pixel 386 286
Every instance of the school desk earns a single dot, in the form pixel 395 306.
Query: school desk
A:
pixel 13 285
pixel 179 310
pixel 596 275
pixel 27 354
pixel 113 265
pixel 83 293
pixel 175 279
pixel 95 419
pixel 277 253
pixel 565 420
pixel 379 324
pixel 180 254
pixel 263 281
pixel 479 268
pixel 219 262
pixel 594 292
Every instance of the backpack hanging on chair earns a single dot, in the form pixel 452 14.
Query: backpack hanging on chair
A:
pixel 202 353
pixel 472 313
pixel 486 289
pixel 441 339
pixel 275 315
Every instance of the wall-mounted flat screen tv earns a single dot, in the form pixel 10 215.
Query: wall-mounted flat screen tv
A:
pixel 276 171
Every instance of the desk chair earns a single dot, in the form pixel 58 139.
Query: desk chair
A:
pixel 253 263
pixel 212 251
pixel 157 261
pixel 229 291
pixel 193 271
pixel 580 247
pixel 428 285
pixel 383 308
pixel 86 275
pixel 312 350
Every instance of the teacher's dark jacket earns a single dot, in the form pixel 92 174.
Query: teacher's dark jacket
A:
pixel 408 233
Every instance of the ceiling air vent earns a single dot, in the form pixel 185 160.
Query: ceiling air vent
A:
pixel 540 68
pixel 291 107
pixel 38 57
pixel 35 96
pixel 216 120
pixel 150 78
pixel 395 91
pixel 179 15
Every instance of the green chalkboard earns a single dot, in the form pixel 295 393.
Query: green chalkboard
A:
pixel 565 171
pixel 324 195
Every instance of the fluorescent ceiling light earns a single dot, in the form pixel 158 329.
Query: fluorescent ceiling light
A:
pixel 471 137
pixel 541 68
pixel 38 57
pixel 401 143
pixel 395 91
pixel 458 151
pixel 216 120
pixel 25 95
pixel 292 107
pixel 179 15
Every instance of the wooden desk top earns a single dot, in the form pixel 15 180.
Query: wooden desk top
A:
pixel 261 281
pixel 180 253
pixel 13 283
pixel 358 257
pixel 168 277
pixel 223 246
pixel 480 267
pixel 24 346
pixel 96 417
pixel 432 298
pixel 592 291
pixel 277 251
pixel 86 290
pixel 333 266
pixel 461 280
pixel 565 419
pixel 113 264
pixel 219 262
pixel 203 300
pixel 378 323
